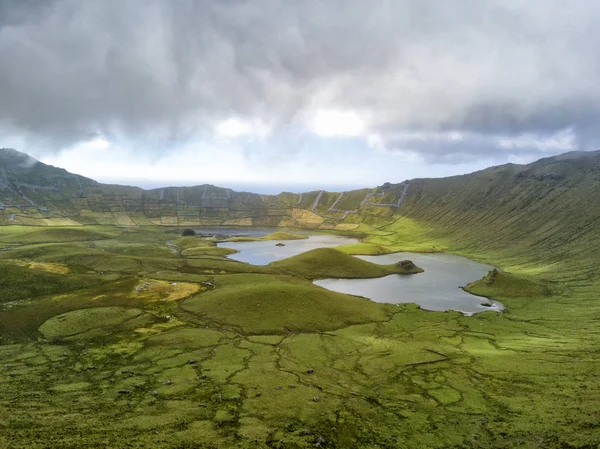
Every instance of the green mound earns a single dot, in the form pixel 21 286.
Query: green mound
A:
pixel 364 249
pixel 501 284
pixel 268 304
pixel 331 263
pixel 94 322
pixel 207 251
pixel 192 242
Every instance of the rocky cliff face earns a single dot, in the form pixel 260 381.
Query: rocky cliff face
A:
pixel 33 193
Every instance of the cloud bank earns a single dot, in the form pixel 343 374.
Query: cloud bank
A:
pixel 447 81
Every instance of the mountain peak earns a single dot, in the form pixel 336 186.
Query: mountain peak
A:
pixel 11 158
pixel 573 155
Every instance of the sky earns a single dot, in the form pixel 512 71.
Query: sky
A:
pixel 270 95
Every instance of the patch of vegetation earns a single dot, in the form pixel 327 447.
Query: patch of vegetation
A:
pixel 192 242
pixel 207 251
pixel 93 322
pixel 20 320
pixel 159 290
pixel 188 232
pixel 20 282
pixel 272 304
pixel 57 268
pixel 500 284
pixel 331 263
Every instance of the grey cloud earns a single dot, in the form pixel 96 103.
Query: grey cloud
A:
pixel 15 12
pixel 460 147
pixel 160 71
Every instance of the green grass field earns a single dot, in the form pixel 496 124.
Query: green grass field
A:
pixel 259 357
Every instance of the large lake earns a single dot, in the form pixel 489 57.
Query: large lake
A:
pixel 438 288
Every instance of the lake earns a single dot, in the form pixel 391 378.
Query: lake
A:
pixel 265 252
pixel 438 288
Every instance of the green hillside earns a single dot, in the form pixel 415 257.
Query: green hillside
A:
pixel 540 217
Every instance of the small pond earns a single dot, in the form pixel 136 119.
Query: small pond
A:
pixel 267 251
pixel 438 288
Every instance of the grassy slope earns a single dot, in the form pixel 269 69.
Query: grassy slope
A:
pixel 499 283
pixel 517 214
pixel 208 251
pixel 331 263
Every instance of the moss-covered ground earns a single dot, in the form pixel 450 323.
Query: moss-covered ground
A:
pixel 137 341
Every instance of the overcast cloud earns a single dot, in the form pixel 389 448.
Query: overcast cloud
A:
pixel 439 81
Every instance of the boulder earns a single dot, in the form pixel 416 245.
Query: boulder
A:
pixel 406 265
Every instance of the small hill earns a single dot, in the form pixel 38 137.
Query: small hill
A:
pixel 192 242
pixel 276 305
pixel 94 322
pixel 498 284
pixel 331 263
pixel 200 247
pixel 202 251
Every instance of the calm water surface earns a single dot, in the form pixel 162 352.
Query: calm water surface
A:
pixel 265 252
pixel 438 288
